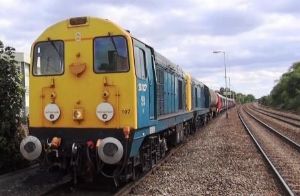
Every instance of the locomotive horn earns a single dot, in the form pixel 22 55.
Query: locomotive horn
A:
pixel 31 148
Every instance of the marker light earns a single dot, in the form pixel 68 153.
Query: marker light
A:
pixel 90 144
pixel 55 142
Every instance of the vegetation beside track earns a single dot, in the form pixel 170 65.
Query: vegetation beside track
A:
pixel 11 92
pixel 239 97
pixel 286 93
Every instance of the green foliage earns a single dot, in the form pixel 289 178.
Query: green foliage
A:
pixel 239 97
pixel 265 100
pixel 11 92
pixel 286 93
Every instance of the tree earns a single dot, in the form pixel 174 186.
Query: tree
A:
pixel 286 93
pixel 250 98
pixel 11 92
pixel 241 98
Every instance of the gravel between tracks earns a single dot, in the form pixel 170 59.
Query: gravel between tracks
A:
pixel 219 160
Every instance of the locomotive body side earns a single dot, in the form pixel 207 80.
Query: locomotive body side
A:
pixel 200 102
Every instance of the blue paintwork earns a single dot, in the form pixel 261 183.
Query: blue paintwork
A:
pixel 160 125
pixel 148 120
pixel 151 82
pixel 144 90
pixel 143 103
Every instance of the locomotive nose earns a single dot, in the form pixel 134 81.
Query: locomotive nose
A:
pixel 31 148
pixel 110 150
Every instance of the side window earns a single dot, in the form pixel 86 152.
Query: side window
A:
pixel 160 91
pixel 196 97
pixel 180 92
pixel 140 63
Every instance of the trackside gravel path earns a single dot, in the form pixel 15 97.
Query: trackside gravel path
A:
pixel 221 159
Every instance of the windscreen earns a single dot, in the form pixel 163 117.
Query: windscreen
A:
pixel 110 54
pixel 48 58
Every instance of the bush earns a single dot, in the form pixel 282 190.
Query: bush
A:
pixel 11 92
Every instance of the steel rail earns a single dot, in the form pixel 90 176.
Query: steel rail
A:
pixel 281 179
pixel 274 112
pixel 286 139
pixel 278 117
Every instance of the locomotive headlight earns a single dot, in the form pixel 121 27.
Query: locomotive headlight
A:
pixel 105 111
pixel 110 150
pixel 52 112
pixel 78 114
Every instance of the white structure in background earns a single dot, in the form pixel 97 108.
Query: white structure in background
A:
pixel 24 69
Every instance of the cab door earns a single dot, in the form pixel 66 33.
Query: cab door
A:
pixel 151 81
pixel 143 96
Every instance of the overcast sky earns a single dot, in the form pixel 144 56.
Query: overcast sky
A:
pixel 261 38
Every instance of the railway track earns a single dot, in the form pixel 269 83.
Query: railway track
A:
pixel 280 152
pixel 291 115
pixel 278 116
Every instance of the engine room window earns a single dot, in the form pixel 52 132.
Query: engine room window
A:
pixel 140 63
pixel 180 95
pixel 48 58
pixel 110 54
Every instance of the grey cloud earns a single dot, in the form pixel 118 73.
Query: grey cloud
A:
pixel 168 32
pixel 231 22
pixel 279 6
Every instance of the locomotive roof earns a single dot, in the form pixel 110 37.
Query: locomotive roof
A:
pixel 197 82
pixel 161 60
pixel 57 30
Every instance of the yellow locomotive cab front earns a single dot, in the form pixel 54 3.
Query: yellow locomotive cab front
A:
pixel 72 74
pixel 82 88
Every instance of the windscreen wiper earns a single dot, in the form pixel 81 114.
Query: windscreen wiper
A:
pixel 55 48
pixel 114 43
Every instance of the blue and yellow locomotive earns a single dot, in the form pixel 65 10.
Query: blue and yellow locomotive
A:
pixel 101 101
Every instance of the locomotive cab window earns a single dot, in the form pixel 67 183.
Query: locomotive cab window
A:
pixel 140 63
pixel 110 54
pixel 48 58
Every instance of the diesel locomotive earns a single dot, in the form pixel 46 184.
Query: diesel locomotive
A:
pixel 104 103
